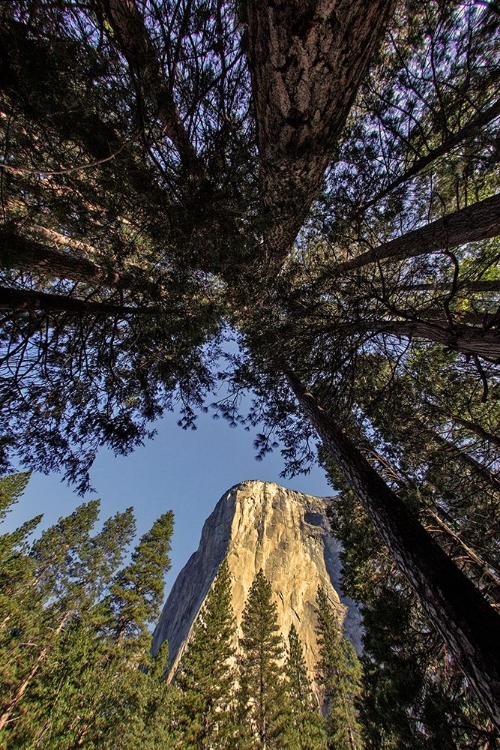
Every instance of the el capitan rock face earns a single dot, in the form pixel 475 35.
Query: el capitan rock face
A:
pixel 262 525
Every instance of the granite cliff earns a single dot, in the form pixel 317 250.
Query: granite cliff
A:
pixel 262 525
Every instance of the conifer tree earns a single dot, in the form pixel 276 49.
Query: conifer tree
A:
pixel 306 722
pixel 206 678
pixel 70 675
pixel 136 593
pixel 262 696
pixel 339 671
pixel 16 567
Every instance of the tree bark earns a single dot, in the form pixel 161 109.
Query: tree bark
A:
pixel 480 221
pixel 469 626
pixel 24 299
pixel 26 254
pixel 307 59
pixel 461 338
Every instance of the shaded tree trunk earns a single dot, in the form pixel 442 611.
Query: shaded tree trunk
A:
pixel 24 299
pixel 26 254
pixel 480 221
pixel 472 128
pixel 462 338
pixel 307 60
pixel 469 626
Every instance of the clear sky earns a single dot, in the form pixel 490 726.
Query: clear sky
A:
pixel 183 471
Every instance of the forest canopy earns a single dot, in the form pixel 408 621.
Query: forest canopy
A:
pixel 318 178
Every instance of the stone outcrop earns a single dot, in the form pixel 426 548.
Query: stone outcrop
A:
pixel 262 525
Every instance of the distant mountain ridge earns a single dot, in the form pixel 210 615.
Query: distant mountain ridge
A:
pixel 257 525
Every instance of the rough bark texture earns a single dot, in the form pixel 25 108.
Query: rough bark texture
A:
pixel 469 626
pixel 462 338
pixel 480 221
pixel 307 60
pixel 24 299
pixel 26 254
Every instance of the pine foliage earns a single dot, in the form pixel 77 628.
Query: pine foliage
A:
pixel 71 675
pixel 261 691
pixel 305 721
pixel 339 672
pixel 206 677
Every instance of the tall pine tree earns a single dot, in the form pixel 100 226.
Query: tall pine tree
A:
pixel 206 678
pixel 74 663
pixel 339 671
pixel 262 695
pixel 307 725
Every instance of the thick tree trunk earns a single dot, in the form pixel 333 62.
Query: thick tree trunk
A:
pixel 307 59
pixel 468 624
pixel 462 338
pixel 480 221
pixel 23 299
pixel 26 254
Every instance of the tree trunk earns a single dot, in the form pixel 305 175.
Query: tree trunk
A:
pixel 24 299
pixel 467 623
pixel 480 221
pixel 462 338
pixel 472 128
pixel 26 254
pixel 307 59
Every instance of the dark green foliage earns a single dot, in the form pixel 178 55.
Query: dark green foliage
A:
pixel 206 677
pixel 136 592
pixel 139 152
pixel 71 675
pixel 305 722
pixel 339 673
pixel 413 694
pixel 262 693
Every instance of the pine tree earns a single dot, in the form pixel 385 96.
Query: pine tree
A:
pixel 206 677
pixel 306 722
pixel 70 674
pixel 136 593
pixel 262 695
pixel 339 672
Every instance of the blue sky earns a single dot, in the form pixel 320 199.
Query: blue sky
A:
pixel 183 471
